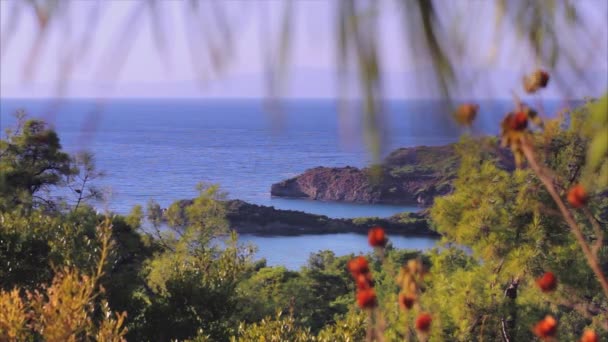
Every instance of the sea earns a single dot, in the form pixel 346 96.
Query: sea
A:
pixel 160 149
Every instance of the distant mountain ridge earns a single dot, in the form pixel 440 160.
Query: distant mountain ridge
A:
pixel 316 83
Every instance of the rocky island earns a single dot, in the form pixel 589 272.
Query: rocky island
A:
pixel 411 175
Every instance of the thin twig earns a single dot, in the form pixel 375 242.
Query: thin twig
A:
pixel 503 330
pixel 496 271
pixel 578 234
pixel 599 234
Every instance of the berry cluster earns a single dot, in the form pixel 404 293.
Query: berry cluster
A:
pixel 409 280
pixel 535 81
pixel 366 295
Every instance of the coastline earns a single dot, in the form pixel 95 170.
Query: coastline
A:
pixel 247 218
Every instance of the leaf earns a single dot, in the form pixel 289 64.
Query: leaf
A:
pixel 599 111
pixel 598 149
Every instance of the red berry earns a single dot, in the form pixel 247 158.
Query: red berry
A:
pixel 589 336
pixel 366 299
pixel 423 322
pixel 547 282
pixel 358 266
pixel 519 121
pixel 546 327
pixel 363 281
pixel 577 196
pixel 377 237
pixel 406 301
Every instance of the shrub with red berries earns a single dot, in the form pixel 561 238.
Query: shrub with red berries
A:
pixel 359 269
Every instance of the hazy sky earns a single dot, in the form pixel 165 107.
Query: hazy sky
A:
pixel 185 70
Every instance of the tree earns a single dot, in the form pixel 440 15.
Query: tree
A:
pixel 191 280
pixel 31 161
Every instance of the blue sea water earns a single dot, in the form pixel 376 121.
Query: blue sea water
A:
pixel 160 149
pixel 279 250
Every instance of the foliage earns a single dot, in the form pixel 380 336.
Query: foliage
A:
pixel 508 220
pixel 65 310
pixel 275 330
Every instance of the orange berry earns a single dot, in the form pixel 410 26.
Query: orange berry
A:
pixel 547 327
pixel 577 196
pixel 465 114
pixel 423 322
pixel 519 122
pixel 547 282
pixel 589 336
pixel 377 237
pixel 366 299
pixel 536 80
pixel 358 266
pixel 406 301
pixel 543 78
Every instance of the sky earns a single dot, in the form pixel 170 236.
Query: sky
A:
pixel 125 56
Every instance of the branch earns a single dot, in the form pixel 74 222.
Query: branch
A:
pixel 586 308
pixel 503 330
pixel 496 271
pixel 599 234
pixel 80 192
pixel 511 293
pixel 548 181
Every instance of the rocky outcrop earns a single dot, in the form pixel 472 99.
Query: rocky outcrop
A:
pixel 413 176
pixel 247 218
pixel 407 176
pixel 347 184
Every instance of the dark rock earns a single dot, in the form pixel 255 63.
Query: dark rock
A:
pixel 347 184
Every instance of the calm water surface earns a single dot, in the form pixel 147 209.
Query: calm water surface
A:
pixel 294 251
